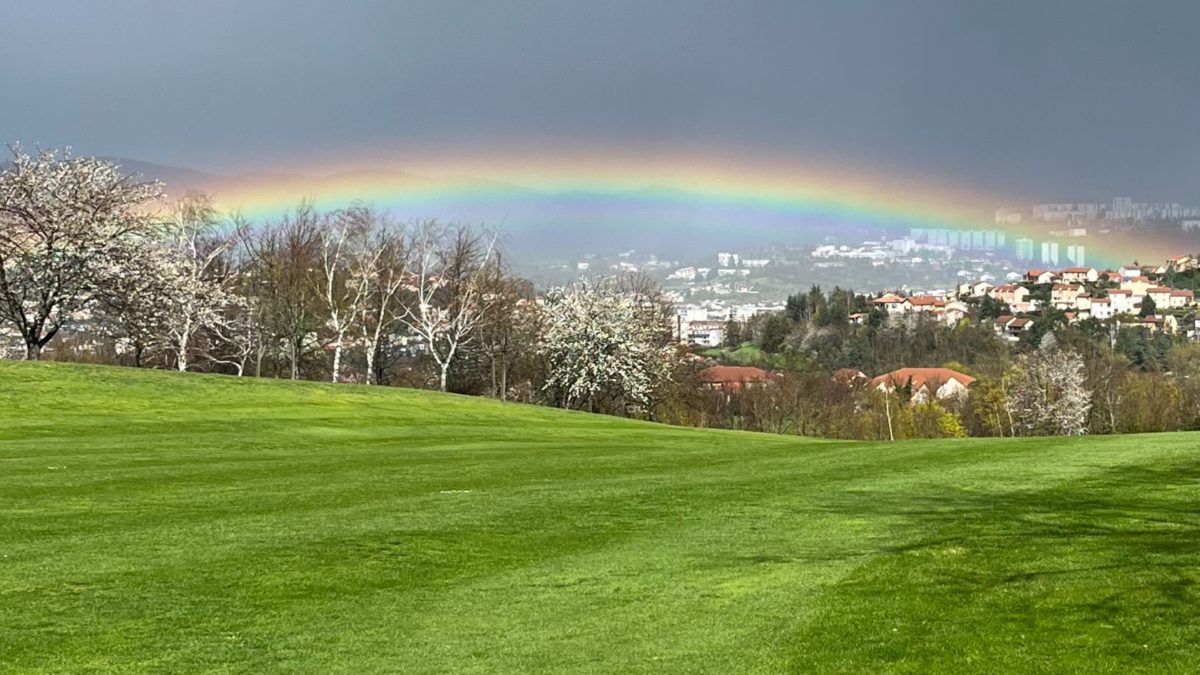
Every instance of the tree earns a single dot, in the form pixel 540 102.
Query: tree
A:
pixel 194 280
pixel 510 331
pixel 65 224
pixel 774 332
pixel 1047 394
pixel 383 273
pixel 284 259
pixel 796 308
pixel 447 301
pixel 130 305
pixel 348 266
pixel 600 342
pixel 1148 307
pixel 733 334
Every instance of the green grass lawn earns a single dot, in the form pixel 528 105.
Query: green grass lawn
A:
pixel 152 521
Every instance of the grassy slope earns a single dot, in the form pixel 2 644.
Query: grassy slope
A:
pixel 152 521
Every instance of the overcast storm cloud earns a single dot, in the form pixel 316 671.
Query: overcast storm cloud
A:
pixel 1041 98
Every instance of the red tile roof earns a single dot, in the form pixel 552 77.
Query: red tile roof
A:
pixel 925 300
pixel 732 374
pixel 921 376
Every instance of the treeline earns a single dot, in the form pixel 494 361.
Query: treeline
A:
pixel 96 266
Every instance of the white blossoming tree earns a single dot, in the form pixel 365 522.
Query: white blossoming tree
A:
pixel 1047 394
pixel 64 222
pixel 604 344
pixel 196 278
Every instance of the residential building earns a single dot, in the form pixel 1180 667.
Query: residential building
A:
pixel 939 383
pixel 1079 275
pixel 1137 285
pixel 1123 301
pixel 1182 298
pixel 1010 294
pixel 1063 296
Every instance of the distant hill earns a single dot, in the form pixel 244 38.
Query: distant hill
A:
pixel 174 177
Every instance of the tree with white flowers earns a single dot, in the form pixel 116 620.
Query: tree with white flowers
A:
pixel 604 344
pixel 195 274
pixel 1047 394
pixel 64 222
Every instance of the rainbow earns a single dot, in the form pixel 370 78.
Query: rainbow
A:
pixel 693 196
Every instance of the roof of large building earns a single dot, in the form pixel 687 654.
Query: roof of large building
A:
pixel 921 376
pixel 729 374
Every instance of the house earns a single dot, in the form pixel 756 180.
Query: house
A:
pixel 858 318
pixel 1101 308
pixel 1080 275
pixel 955 311
pixel 923 304
pixel 1111 277
pixel 1184 298
pixel 940 383
pixel 1063 296
pixel 1161 323
pixel 732 379
pixel 974 289
pixel 1138 285
pixel 1161 295
pixel 891 302
pixel 1123 301
pixel 704 333
pixel 1017 326
pixel 1039 276
pixel 1130 271
pixel 1010 294
pixel 1000 323
pixel 1182 263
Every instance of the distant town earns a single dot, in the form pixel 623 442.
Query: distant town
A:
pixel 940 263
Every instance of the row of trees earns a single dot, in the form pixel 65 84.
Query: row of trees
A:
pixel 346 295
pixel 101 267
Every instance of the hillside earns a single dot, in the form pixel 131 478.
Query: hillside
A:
pixel 161 522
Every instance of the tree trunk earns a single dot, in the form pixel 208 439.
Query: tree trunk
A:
pixel 887 406
pixel 337 357
pixel 181 348
pixel 295 357
pixel 33 351
pixel 445 376
pixel 504 380
pixel 370 362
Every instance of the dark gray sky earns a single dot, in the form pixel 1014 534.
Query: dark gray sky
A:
pixel 1055 99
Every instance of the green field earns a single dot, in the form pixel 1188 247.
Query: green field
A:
pixel 152 521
